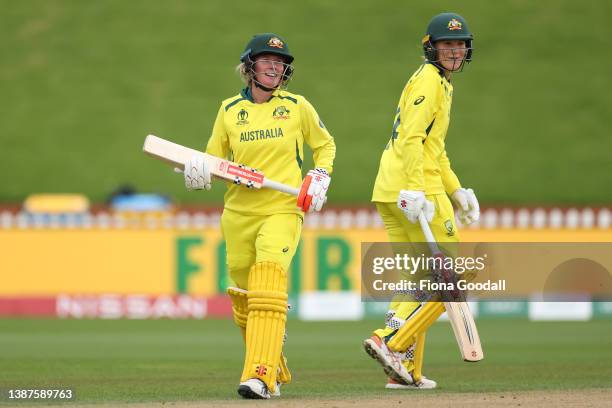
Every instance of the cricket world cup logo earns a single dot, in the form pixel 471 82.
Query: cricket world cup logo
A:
pixel 242 117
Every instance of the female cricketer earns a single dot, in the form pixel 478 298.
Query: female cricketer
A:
pixel 415 176
pixel 265 127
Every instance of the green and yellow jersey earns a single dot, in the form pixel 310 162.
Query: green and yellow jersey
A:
pixel 415 157
pixel 269 137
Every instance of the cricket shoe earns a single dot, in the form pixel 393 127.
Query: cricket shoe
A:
pixel 390 360
pixel 254 388
pixel 424 384
pixel 276 392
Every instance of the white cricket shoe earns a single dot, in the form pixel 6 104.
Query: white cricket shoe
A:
pixel 276 392
pixel 391 361
pixel 254 388
pixel 424 384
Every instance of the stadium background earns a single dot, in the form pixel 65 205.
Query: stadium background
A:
pixel 84 82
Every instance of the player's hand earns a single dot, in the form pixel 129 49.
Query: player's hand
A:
pixel 197 174
pixel 412 202
pixel 467 205
pixel 313 193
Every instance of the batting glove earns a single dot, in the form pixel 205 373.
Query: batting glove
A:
pixel 467 205
pixel 197 174
pixel 412 203
pixel 313 193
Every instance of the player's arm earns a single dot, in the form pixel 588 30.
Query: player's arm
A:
pixel 465 199
pixel 449 178
pixel 313 193
pixel 197 174
pixel 317 137
pixel 416 117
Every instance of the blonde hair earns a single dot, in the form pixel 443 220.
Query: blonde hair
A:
pixel 245 75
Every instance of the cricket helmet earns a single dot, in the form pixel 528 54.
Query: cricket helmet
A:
pixel 446 26
pixel 266 43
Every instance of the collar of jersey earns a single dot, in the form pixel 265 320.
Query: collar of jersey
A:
pixel 437 68
pixel 246 94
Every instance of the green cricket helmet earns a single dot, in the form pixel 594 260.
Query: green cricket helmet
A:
pixel 266 43
pixel 446 26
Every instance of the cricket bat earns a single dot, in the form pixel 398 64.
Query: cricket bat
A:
pixel 459 314
pixel 178 155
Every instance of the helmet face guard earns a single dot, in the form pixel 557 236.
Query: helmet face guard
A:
pixel 447 26
pixel 286 73
pixel 268 43
pixel 432 54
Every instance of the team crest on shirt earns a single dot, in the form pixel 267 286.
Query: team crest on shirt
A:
pixel 281 113
pixel 449 228
pixel 454 24
pixel 275 42
pixel 242 117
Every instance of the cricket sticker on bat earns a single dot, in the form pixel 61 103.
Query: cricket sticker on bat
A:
pixel 457 309
pixel 178 155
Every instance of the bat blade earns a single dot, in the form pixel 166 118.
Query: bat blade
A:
pixel 169 152
pixel 465 330
pixel 178 155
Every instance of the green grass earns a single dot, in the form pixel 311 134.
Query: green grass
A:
pixel 125 361
pixel 84 82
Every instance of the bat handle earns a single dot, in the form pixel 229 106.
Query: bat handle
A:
pixel 429 237
pixel 275 185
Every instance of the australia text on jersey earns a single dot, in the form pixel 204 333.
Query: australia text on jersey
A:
pixel 261 134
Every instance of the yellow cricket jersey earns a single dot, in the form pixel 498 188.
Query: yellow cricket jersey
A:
pixel 269 137
pixel 415 157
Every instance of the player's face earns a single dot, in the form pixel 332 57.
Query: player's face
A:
pixel 269 69
pixel 451 53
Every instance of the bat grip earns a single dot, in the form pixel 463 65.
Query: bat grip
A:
pixel 429 237
pixel 275 185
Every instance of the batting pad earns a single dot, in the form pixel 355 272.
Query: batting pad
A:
pixel 284 375
pixel 239 308
pixel 419 351
pixel 418 323
pixel 267 306
pixel 240 311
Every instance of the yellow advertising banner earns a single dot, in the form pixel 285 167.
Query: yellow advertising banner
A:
pixel 176 261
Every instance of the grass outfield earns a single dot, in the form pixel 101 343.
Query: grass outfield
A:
pixel 84 81
pixel 146 361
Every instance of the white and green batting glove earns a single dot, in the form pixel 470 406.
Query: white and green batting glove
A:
pixel 467 205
